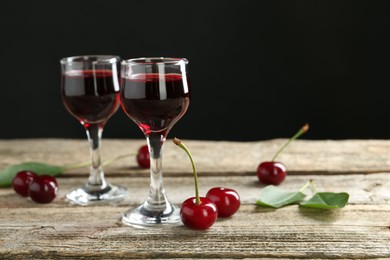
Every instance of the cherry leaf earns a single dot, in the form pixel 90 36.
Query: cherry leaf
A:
pixel 326 200
pixel 271 196
pixel 7 175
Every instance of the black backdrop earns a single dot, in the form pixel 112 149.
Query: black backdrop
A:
pixel 259 69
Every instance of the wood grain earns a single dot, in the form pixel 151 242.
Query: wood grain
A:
pixel 356 231
pixel 211 157
pixel 372 189
pixel 59 230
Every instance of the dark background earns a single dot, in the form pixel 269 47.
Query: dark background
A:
pixel 259 69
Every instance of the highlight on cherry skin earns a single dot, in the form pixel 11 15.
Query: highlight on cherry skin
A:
pixel 226 200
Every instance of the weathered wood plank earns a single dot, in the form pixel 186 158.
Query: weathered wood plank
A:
pixel 369 189
pixel 59 230
pixel 357 231
pixel 212 157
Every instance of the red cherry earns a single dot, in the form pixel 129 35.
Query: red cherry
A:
pixel 196 212
pixel 271 172
pixel 43 189
pixel 198 216
pixel 227 201
pixel 21 182
pixel 275 172
pixel 143 157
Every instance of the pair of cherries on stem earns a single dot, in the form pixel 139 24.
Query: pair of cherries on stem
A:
pixel 202 212
pixel 41 189
pixel 272 172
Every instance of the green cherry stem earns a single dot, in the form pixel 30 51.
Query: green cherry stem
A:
pixel 74 166
pixel 305 186
pixel 87 163
pixel 310 183
pixel 109 161
pixel 179 143
pixel 313 186
pixel 301 131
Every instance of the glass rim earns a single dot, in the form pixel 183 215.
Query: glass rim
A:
pixel 155 60
pixel 84 58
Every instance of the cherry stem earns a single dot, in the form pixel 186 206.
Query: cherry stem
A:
pixel 305 186
pixel 76 165
pixel 179 143
pixel 109 161
pixel 312 186
pixel 301 131
pixel 87 163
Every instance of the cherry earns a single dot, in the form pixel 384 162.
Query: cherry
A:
pixel 200 214
pixel 43 189
pixel 271 172
pixel 143 157
pixel 196 212
pixel 21 182
pixel 227 200
pixel 275 172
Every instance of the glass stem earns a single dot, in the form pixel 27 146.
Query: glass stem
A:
pixel 96 179
pixel 157 200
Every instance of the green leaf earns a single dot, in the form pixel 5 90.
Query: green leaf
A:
pixel 274 197
pixel 9 173
pixel 326 200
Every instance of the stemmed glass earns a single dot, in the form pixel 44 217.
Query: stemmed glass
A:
pixel 155 94
pixel 90 92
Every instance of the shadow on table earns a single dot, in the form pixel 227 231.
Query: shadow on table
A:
pixel 321 215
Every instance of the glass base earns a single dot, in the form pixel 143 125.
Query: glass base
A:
pixel 141 217
pixel 110 195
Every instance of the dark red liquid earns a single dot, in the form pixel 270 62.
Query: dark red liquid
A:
pixel 92 96
pixel 155 101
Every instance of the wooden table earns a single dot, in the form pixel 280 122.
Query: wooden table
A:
pixel 59 230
